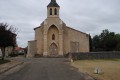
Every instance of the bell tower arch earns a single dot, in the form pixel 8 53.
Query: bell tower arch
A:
pixel 53 9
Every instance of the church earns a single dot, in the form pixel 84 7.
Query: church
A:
pixel 54 38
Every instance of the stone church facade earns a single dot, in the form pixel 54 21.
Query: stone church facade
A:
pixel 54 38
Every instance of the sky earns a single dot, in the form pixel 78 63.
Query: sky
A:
pixel 89 16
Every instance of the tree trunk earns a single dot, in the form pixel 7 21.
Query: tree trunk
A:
pixel 3 52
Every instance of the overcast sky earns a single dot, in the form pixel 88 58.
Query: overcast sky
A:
pixel 89 16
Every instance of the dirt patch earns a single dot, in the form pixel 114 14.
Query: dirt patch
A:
pixel 110 68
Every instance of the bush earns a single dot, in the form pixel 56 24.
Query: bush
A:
pixel 3 61
pixel 13 55
pixel 21 53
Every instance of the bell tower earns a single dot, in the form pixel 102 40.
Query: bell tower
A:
pixel 53 9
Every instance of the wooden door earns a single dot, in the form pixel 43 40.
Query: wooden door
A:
pixel 53 49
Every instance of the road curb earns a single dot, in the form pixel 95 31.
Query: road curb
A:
pixel 8 68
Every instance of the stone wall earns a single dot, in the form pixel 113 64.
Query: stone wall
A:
pixel 8 50
pixel 95 55
pixel 39 37
pixel 31 48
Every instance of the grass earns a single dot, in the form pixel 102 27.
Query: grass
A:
pixel 110 68
pixel 3 61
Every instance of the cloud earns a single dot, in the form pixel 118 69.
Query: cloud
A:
pixel 90 16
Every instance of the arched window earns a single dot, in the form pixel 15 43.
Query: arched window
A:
pixel 55 11
pixel 53 37
pixel 50 11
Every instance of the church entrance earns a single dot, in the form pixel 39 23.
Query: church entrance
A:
pixel 53 50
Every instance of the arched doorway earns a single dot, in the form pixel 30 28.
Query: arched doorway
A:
pixel 53 41
pixel 53 50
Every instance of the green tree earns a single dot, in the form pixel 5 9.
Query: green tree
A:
pixel 7 37
pixel 90 42
pixel 110 42
pixel 117 36
pixel 106 41
pixel 96 43
pixel 103 36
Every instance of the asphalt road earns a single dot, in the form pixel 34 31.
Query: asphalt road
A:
pixel 44 69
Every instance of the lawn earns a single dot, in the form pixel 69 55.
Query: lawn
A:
pixel 110 68
pixel 5 61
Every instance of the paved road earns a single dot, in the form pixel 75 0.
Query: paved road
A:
pixel 45 69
